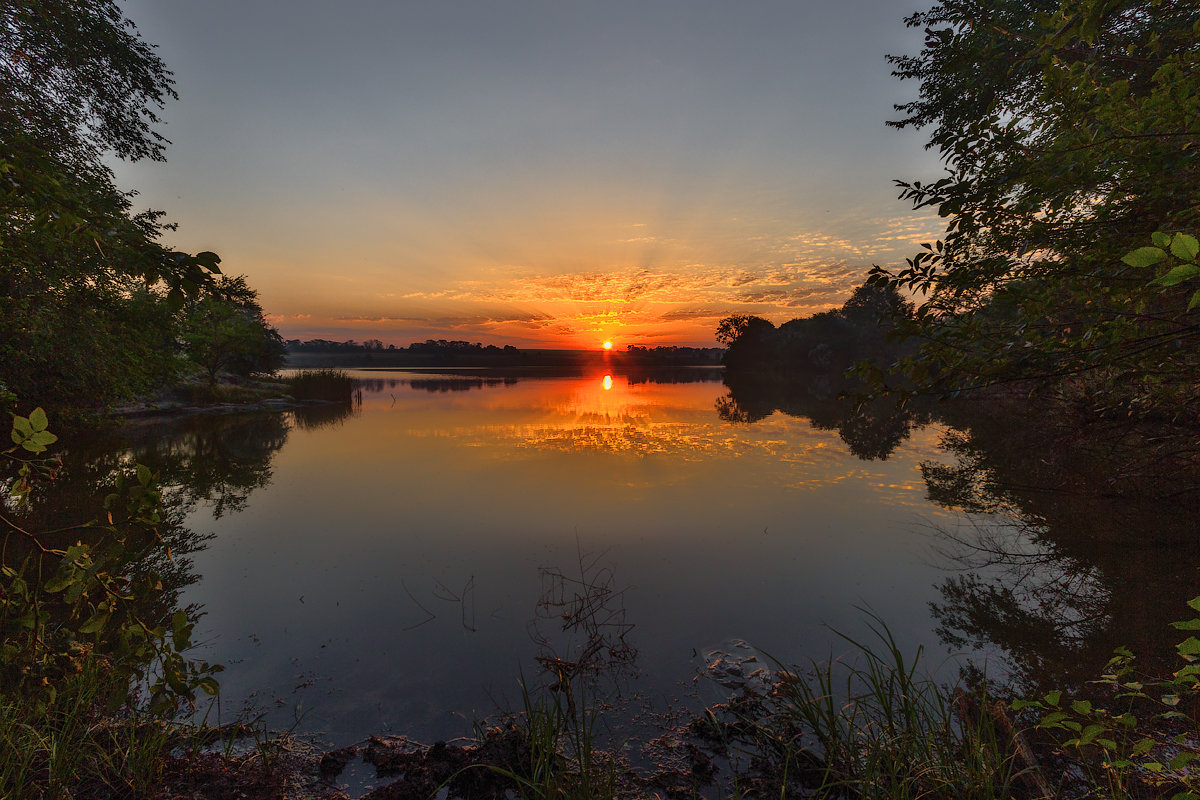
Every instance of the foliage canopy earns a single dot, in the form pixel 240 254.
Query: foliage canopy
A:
pixel 1069 130
pixel 90 300
pixel 224 330
pixel 79 81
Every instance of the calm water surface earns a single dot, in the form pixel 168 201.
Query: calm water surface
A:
pixel 399 564
pixel 392 574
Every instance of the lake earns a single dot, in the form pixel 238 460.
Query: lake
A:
pixel 401 564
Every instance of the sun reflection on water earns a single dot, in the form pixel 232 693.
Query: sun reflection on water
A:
pixel 620 416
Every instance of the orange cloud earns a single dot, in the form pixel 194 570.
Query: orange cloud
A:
pixel 671 296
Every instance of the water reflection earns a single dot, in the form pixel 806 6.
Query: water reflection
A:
pixel 871 430
pixel 466 379
pixel 393 548
pixel 581 627
pixel 1064 558
pixel 323 415
pixel 394 558
pixel 212 463
pixel 457 384
pixel 1063 547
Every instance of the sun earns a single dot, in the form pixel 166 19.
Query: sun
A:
pixel 608 345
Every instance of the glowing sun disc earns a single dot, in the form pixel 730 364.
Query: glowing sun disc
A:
pixel 608 345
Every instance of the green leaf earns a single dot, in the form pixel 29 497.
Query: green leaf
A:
pixel 1143 746
pixel 1081 707
pixel 180 635
pixel 1187 625
pixel 1194 603
pixel 1189 646
pixel 1183 759
pixel 1161 239
pixel 94 623
pixel 1053 697
pixel 1177 275
pixel 1053 720
pixel 1195 301
pixel 1145 257
pixel 1185 247
pixel 143 474
pixel 37 419
pixel 1090 733
pixel 208 260
pixel 44 438
pixel 23 425
pixel 58 583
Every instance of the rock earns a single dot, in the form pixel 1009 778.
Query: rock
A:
pixel 333 762
pixel 736 665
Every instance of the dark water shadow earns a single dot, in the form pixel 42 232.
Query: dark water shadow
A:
pixel 1079 541
pixel 1072 540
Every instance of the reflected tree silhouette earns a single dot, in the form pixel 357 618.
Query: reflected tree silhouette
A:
pixel 1072 543
pixel 453 384
pixel 1018 595
pixel 872 430
pixel 746 411
pixel 216 461
pixel 1061 559
pixel 210 460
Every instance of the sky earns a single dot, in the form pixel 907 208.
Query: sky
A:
pixel 543 173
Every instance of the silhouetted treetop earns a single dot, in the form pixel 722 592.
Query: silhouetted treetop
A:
pixel 829 341
pixel 77 79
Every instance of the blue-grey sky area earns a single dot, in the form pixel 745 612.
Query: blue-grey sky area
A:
pixel 554 173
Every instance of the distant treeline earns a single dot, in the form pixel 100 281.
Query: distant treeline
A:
pixel 827 343
pixel 460 353
pixel 670 356
pixel 375 345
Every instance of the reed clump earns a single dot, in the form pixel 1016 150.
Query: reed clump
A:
pixel 870 724
pixel 332 385
pixel 876 726
pixel 559 757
